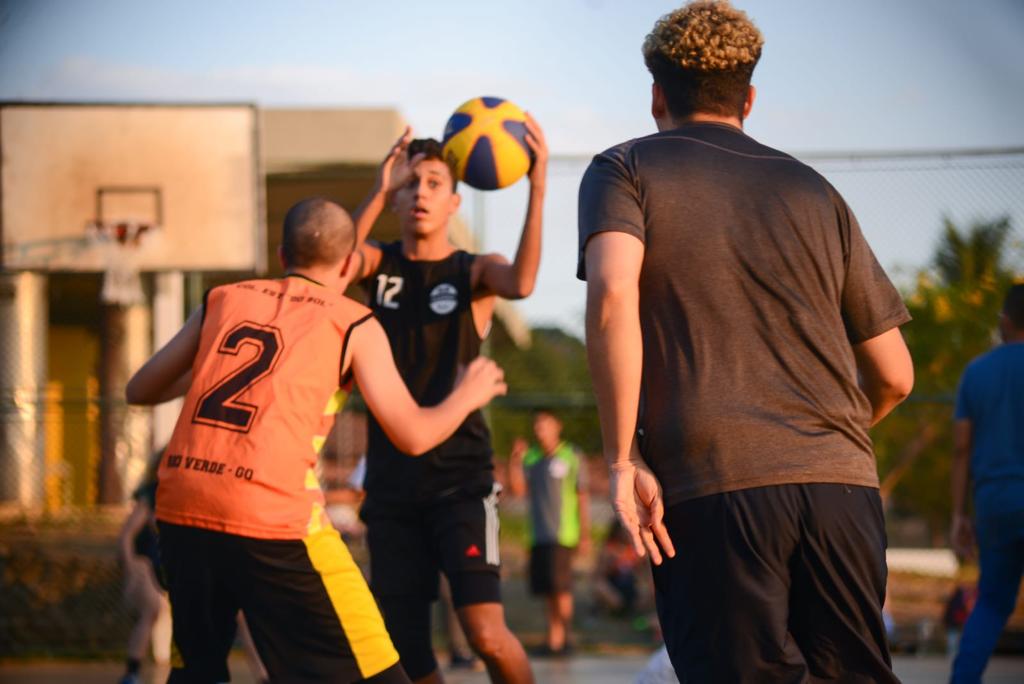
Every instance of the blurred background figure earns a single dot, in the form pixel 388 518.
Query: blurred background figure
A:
pixel 553 473
pixel 958 609
pixel 621 580
pixel 140 558
pixel 988 439
pixel 139 548
pixel 343 495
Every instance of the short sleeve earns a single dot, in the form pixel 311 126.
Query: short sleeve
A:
pixel 871 304
pixel 609 201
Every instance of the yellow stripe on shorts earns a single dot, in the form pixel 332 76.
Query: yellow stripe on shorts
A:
pixel 177 662
pixel 357 611
pixel 336 403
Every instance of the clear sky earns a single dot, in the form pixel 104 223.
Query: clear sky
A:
pixel 835 75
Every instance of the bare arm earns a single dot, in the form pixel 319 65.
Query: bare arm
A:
pixel 492 273
pixel 168 372
pixel 584 502
pixel 962 533
pixel 615 355
pixel 393 172
pixel 410 427
pixel 516 479
pixel 886 371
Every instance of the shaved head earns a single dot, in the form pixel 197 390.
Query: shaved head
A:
pixel 317 232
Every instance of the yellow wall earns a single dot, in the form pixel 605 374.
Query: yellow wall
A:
pixel 72 425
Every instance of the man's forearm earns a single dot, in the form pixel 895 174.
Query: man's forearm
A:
pixel 614 352
pixel 960 469
pixel 960 476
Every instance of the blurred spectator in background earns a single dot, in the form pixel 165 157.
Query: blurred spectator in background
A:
pixel 988 435
pixel 958 609
pixel 343 494
pixel 621 581
pixel 139 548
pixel 140 559
pixel 553 474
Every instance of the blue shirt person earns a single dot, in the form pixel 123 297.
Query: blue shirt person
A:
pixel 989 453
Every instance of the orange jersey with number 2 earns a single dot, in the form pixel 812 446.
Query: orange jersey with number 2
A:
pixel 266 384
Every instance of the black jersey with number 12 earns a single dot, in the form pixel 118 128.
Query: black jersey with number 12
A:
pixel 425 307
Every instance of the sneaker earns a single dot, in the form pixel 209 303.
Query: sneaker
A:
pixel 545 651
pixel 470 663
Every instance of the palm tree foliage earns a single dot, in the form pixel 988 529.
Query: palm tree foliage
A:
pixel 955 304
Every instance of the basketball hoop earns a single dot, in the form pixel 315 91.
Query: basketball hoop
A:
pixel 120 244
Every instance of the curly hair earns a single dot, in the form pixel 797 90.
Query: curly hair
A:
pixel 703 56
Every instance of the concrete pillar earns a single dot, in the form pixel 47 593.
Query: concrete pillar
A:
pixel 23 370
pixel 139 423
pixel 124 431
pixel 168 317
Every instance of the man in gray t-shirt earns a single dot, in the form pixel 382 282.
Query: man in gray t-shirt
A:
pixel 742 338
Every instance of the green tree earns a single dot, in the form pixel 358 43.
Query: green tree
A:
pixel 552 372
pixel 955 306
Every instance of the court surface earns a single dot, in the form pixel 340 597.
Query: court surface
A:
pixel 578 670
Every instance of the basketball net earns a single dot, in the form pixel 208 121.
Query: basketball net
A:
pixel 119 244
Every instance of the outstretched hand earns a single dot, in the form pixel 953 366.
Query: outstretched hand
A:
pixel 397 167
pixel 518 451
pixel 539 146
pixel 636 499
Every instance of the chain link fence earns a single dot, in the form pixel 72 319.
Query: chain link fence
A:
pixel 60 579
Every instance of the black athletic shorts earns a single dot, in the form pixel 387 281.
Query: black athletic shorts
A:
pixel 307 605
pixel 410 545
pixel 550 569
pixel 776 584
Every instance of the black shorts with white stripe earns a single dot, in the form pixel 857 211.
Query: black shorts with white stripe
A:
pixel 409 545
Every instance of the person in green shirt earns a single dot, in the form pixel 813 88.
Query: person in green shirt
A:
pixel 553 473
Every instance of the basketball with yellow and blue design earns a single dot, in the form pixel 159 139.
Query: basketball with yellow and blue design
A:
pixel 485 143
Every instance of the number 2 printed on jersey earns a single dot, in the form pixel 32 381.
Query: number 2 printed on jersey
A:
pixel 220 406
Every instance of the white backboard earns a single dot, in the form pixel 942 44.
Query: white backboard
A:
pixel 193 171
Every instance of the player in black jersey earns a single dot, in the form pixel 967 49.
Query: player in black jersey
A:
pixel 438 512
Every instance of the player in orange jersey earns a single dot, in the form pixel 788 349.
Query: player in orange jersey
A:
pixel 239 508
